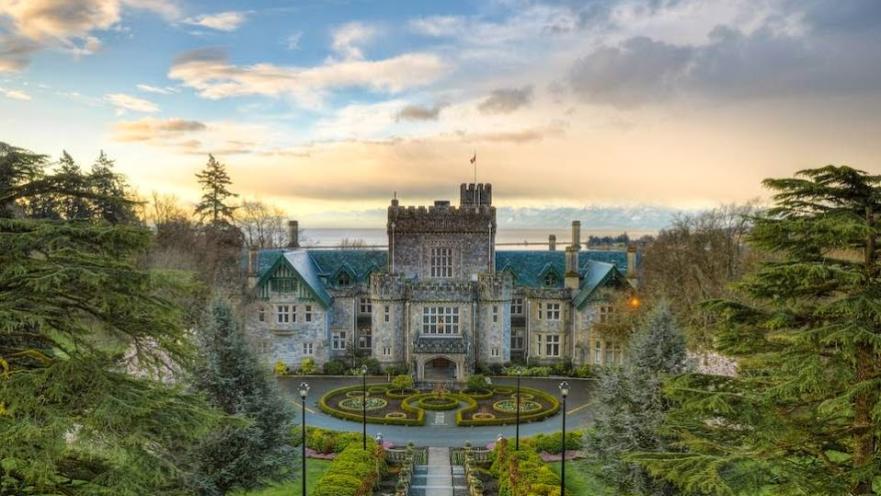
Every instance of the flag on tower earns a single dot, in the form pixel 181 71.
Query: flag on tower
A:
pixel 474 158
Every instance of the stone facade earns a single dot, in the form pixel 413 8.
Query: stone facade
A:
pixel 440 301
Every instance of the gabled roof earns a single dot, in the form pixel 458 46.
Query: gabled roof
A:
pixel 596 275
pixel 530 266
pixel 358 263
pixel 301 263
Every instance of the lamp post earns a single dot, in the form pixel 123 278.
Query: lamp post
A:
pixel 364 406
pixel 304 391
pixel 564 391
pixel 517 421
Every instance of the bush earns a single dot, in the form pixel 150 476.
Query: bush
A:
pixel 373 367
pixel 523 472
pixel 354 472
pixel 335 367
pixel 477 382
pixel 402 382
pixel 307 366
pixel 326 440
pixel 550 443
pixel 280 368
pixel 394 370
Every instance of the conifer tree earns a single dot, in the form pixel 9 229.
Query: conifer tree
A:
pixel 632 407
pixel 215 182
pixel 72 205
pixel 803 414
pixel 239 454
pixel 109 191
pixel 75 313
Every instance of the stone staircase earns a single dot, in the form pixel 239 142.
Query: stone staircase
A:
pixel 438 478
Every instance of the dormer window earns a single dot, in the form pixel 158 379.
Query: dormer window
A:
pixel 550 279
pixel 343 279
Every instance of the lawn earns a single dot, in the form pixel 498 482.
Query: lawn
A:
pixel 581 481
pixel 314 470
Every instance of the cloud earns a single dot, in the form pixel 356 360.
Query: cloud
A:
pixel 15 52
pixel 124 102
pixel 221 21
pixel 292 42
pixel 167 90
pixel 505 101
pixel 213 76
pixel 15 94
pixel 420 113
pixel 348 38
pixel 157 131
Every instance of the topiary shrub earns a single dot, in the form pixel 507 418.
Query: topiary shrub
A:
pixel 335 367
pixel 402 382
pixel 307 366
pixel 354 472
pixel 280 368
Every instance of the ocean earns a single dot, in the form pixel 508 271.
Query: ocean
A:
pixel 506 239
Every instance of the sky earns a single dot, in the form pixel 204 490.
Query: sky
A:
pixel 636 109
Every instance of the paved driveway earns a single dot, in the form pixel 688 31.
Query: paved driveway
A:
pixel 440 428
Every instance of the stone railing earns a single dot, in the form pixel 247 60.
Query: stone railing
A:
pixel 475 485
pixel 399 455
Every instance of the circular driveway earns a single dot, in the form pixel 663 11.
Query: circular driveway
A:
pixel 440 428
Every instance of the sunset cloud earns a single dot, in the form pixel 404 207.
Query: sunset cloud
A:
pixel 221 21
pixel 506 100
pixel 124 102
pixel 420 113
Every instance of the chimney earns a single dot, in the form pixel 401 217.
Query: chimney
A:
pixel 572 280
pixel 293 234
pixel 631 263
pixel 576 234
pixel 252 266
pixel 552 242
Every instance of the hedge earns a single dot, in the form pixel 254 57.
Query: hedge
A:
pixel 479 394
pixel 523 472
pixel 451 401
pixel 524 418
pixel 354 472
pixel 322 404
pixel 550 443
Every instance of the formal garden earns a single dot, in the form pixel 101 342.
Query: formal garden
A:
pixel 478 403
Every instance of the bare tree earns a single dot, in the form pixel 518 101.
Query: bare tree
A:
pixel 346 243
pixel 262 225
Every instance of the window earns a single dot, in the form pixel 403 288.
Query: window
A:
pixel 516 339
pixel 517 306
pixel 387 350
pixel 307 348
pixel 550 279
pixel 540 306
pixel 338 340
pixel 597 353
pixel 261 314
pixel 538 344
pixel 605 312
pixel 495 313
pixel 283 314
pixel 308 313
pixel 365 339
pixel 441 262
pixel 552 311
pixel 552 346
pixel 283 284
pixel 610 354
pixel 440 320
pixel 494 352
pixel 365 306
pixel 386 311
pixel 343 279
pixel 264 347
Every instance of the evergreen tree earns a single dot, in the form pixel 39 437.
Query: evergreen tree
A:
pixel 72 205
pixel 244 454
pixel 215 193
pixel 109 191
pixel 75 314
pixel 632 407
pixel 803 415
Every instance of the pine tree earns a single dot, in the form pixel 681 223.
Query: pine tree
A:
pixel 215 193
pixel 803 415
pixel 244 454
pixel 72 204
pixel 75 312
pixel 632 407
pixel 109 191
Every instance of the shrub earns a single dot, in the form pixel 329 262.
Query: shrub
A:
pixel 372 364
pixel 402 382
pixel 335 367
pixel 523 472
pixel 280 368
pixel 307 366
pixel 551 442
pixel 477 382
pixel 354 472
pixel 397 370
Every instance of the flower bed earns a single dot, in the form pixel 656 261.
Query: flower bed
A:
pixel 547 403
pixel 510 406
pixel 438 403
pixel 330 404
pixel 357 404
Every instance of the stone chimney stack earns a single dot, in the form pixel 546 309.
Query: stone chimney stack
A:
pixel 552 242
pixel 293 234
pixel 572 279
pixel 252 266
pixel 576 234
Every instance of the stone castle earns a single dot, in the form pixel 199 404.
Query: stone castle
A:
pixel 441 299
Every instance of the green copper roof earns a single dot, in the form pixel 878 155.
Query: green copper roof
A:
pixel 530 267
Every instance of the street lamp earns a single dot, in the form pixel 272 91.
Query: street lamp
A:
pixel 564 391
pixel 518 372
pixel 304 391
pixel 364 406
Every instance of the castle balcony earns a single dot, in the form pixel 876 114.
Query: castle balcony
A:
pixel 440 346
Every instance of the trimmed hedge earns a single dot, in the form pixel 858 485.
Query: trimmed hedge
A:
pixel 446 403
pixel 342 414
pixel 398 394
pixel 325 440
pixel 523 472
pixel 551 443
pixel 354 472
pixel 524 418
pixel 479 394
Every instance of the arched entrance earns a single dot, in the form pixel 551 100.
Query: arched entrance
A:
pixel 440 369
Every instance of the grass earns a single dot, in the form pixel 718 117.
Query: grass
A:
pixel 581 479
pixel 314 470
